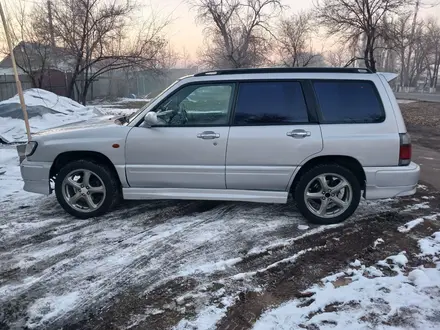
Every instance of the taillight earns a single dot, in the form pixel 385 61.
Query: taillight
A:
pixel 405 149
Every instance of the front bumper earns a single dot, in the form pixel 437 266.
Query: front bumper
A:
pixel 36 176
pixel 389 182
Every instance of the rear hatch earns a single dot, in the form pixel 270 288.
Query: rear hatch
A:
pixel 405 151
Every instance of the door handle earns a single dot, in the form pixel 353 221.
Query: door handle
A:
pixel 208 135
pixel 299 133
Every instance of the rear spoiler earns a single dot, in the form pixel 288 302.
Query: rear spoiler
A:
pixel 389 76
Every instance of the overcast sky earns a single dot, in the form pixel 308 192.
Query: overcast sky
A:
pixel 185 33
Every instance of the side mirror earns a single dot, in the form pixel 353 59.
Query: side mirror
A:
pixel 150 119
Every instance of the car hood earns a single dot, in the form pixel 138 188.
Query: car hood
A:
pixel 95 122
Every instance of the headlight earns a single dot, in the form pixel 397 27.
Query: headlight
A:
pixel 30 148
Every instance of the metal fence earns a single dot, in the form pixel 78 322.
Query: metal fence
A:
pixel 8 88
pixel 111 84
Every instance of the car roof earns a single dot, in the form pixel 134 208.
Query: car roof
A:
pixel 283 70
pixel 282 74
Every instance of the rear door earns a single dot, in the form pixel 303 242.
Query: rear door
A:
pixel 272 133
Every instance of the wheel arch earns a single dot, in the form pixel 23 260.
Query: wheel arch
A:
pixel 69 156
pixel 348 162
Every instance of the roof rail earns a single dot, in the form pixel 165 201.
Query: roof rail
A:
pixel 284 70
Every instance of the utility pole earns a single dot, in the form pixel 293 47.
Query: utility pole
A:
pixel 17 80
pixel 49 13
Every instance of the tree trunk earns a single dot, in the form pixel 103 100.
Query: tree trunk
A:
pixel 71 88
pixel 402 69
pixel 367 62
pixel 40 80
pixel 436 69
pixel 34 81
pixel 85 91
pixel 370 45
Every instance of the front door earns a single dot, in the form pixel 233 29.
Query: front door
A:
pixel 187 148
pixel 270 137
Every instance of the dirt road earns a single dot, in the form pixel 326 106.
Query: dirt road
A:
pixel 423 123
pixel 429 161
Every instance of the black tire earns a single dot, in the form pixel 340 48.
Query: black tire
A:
pixel 307 177
pixel 109 181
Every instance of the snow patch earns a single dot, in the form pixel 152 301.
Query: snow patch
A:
pixel 44 98
pixel 207 318
pixel 432 216
pixel 400 260
pixel 290 259
pixel 64 111
pixel 362 301
pixel 210 267
pixel 378 241
pixel 419 278
pixel 243 276
pixel 31 258
pixel 410 225
pixel 430 246
pixel 50 307
pixel 11 183
pixel 418 206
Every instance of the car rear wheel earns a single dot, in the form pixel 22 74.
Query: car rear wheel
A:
pixel 86 189
pixel 327 194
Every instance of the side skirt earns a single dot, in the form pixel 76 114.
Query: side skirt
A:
pixel 206 194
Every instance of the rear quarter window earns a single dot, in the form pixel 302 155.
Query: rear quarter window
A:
pixel 349 101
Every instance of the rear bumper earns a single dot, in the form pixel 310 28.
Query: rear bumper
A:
pixel 388 182
pixel 36 176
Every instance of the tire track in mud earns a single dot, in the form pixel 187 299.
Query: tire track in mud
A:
pixel 154 281
pixel 210 212
pixel 337 247
pixel 152 278
pixel 341 246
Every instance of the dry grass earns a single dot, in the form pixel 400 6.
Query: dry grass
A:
pixel 421 114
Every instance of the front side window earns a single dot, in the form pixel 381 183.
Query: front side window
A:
pixel 136 114
pixel 270 103
pixel 353 101
pixel 197 105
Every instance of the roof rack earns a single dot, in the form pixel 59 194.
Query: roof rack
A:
pixel 284 70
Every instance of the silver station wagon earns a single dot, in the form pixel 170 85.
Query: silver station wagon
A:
pixel 326 136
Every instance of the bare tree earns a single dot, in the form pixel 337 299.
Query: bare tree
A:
pixel 357 20
pixel 237 31
pixel 408 38
pixel 433 57
pixel 33 54
pixel 185 58
pixel 294 35
pixel 338 57
pixel 95 35
pixel 399 37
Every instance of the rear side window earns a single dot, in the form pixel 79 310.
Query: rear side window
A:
pixel 270 103
pixel 349 102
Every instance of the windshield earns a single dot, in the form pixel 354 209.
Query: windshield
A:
pixel 134 115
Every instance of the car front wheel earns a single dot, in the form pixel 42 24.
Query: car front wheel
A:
pixel 86 189
pixel 327 194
